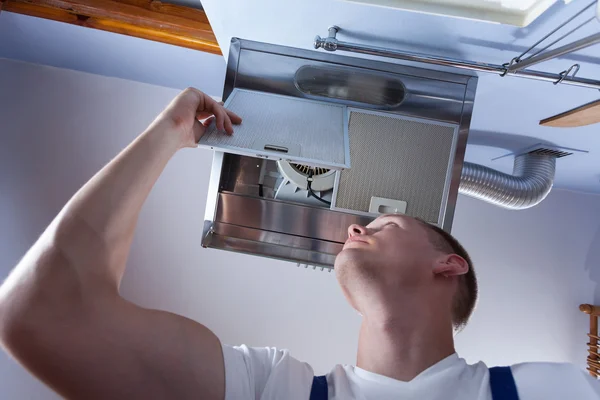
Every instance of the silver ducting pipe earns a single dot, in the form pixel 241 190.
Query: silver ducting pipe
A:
pixel 532 179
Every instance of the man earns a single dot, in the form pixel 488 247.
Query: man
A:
pixel 62 318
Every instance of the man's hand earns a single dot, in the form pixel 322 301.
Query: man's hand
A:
pixel 191 112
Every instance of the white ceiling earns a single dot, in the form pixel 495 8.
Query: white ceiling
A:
pixel 507 110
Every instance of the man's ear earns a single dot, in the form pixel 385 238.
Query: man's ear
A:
pixel 450 265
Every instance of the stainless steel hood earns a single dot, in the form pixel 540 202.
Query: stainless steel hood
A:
pixel 407 129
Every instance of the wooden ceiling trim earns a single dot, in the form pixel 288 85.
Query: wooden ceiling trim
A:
pixel 147 19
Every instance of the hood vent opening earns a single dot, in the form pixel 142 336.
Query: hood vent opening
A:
pixel 351 85
pixel 294 185
pixel 550 152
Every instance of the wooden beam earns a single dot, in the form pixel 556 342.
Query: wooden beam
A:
pixel 586 114
pixel 146 19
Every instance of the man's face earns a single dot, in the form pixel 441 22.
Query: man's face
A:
pixel 391 254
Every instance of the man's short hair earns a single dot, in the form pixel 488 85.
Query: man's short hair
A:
pixel 466 295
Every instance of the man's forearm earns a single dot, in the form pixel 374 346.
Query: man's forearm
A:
pixel 82 254
pixel 84 250
pixel 97 225
pixel 61 315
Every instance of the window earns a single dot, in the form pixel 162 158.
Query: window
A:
pixel 513 12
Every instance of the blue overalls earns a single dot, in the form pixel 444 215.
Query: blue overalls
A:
pixel 501 381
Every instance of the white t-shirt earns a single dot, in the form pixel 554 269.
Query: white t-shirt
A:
pixel 268 373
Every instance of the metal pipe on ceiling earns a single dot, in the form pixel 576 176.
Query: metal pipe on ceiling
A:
pixel 550 54
pixel 520 56
pixel 331 43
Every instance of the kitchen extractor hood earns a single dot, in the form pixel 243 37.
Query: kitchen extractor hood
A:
pixel 328 141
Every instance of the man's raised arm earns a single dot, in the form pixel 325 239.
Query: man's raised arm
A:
pixel 61 315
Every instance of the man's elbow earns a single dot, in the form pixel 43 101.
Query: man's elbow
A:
pixel 8 296
pixel 12 324
pixel 21 336
pixel 28 316
pixel 35 294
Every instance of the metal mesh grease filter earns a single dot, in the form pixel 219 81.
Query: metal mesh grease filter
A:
pixel 397 158
pixel 306 129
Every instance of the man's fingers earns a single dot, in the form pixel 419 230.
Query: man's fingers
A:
pixel 230 117
pixel 228 125
pixel 213 107
pixel 236 119
pixel 199 129
pixel 233 117
pixel 208 121
pixel 220 117
pixel 203 114
pixel 223 117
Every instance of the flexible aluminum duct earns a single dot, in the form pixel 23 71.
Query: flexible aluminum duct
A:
pixel 532 179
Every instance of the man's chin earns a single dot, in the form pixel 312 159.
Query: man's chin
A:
pixel 348 255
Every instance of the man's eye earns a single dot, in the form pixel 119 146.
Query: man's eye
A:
pixel 391 224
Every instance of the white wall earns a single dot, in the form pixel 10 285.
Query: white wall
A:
pixel 535 267
pixel 58 127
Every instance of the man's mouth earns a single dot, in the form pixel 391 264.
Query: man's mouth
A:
pixel 355 239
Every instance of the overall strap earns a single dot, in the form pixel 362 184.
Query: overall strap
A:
pixel 501 381
pixel 503 384
pixel 319 388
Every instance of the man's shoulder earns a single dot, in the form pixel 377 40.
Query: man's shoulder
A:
pixel 551 368
pixel 268 372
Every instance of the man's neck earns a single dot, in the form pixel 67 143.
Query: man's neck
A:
pixel 402 348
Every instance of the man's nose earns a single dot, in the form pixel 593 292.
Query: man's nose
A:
pixel 356 229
